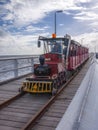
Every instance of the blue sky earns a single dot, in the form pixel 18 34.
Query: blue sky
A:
pixel 22 21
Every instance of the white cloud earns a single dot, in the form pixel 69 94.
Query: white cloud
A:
pixel 19 44
pixel 22 13
pixel 61 24
pixel 89 16
pixel 83 1
pixel 9 16
pixel 34 29
pixel 26 11
pixel 89 40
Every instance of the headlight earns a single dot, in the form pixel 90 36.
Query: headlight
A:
pixel 54 76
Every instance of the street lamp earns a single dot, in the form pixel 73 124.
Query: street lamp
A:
pixel 59 11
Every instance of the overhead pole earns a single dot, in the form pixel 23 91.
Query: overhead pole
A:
pixel 55 21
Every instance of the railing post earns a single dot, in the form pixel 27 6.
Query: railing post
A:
pixel 16 68
pixel 32 64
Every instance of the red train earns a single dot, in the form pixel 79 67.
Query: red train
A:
pixel 62 56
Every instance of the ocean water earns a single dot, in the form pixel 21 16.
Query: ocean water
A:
pixel 6 65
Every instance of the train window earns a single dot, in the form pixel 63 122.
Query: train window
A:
pixel 66 42
pixel 65 50
pixel 56 48
pixel 70 52
pixel 76 50
pixel 73 50
pixel 96 55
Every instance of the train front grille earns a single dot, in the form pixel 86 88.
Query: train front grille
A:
pixel 37 86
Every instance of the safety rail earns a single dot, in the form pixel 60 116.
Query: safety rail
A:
pixel 12 67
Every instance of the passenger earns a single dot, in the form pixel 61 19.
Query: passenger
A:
pixel 56 48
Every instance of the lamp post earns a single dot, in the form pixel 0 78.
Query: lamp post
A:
pixel 59 11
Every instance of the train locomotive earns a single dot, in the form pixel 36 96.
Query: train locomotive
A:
pixel 62 56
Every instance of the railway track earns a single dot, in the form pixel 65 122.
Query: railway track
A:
pixel 17 113
pixel 50 115
pixel 9 89
pixel 12 99
pixel 37 112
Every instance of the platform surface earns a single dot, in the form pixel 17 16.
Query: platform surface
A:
pixel 82 113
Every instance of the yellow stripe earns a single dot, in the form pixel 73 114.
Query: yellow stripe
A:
pixel 38 87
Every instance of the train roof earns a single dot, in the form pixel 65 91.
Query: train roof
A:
pixel 51 39
pixel 59 38
pixel 77 43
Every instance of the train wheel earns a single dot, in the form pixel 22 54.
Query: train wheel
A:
pixel 64 77
pixel 54 91
pixel 21 90
pixel 55 88
pixel 60 79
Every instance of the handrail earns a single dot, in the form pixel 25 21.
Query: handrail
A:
pixel 16 66
pixel 2 58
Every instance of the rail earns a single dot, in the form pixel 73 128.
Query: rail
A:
pixel 34 120
pixel 12 67
pixel 12 99
pixel 38 115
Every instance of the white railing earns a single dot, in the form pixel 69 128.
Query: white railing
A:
pixel 12 67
